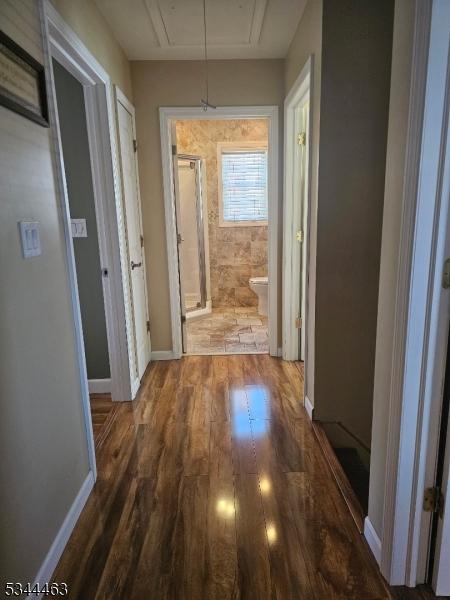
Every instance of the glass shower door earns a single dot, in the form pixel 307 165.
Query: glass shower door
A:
pixel 191 229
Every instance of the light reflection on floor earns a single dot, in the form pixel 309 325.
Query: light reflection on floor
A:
pixel 249 411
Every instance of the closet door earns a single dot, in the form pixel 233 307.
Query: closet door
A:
pixel 139 325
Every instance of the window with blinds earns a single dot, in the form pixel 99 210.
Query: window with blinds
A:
pixel 243 187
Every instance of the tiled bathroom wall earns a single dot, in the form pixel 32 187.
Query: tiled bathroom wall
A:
pixel 236 253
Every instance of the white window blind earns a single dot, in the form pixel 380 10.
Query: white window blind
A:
pixel 244 185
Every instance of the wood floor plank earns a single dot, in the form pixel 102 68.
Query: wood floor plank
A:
pixel 252 549
pixel 212 486
pixel 221 548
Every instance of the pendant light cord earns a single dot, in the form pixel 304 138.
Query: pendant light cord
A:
pixel 206 55
pixel 205 103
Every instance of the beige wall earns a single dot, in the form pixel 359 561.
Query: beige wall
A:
pixel 42 433
pixel 393 197
pixel 308 41
pixel 353 138
pixel 92 29
pixel 235 253
pixel 181 83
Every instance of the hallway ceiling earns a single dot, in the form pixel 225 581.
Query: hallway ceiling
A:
pixel 173 29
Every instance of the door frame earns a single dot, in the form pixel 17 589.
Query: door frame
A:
pixel 120 98
pixel 302 87
pixel 167 116
pixel 417 348
pixel 61 43
pixel 199 211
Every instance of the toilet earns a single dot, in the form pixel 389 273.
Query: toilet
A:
pixel 260 285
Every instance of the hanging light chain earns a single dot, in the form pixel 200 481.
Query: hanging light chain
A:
pixel 205 103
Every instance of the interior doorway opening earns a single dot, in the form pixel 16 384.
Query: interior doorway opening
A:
pixel 85 236
pixel 220 184
pixel 221 200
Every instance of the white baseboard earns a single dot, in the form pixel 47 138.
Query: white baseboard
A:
pixel 62 537
pixel 309 408
pixel 372 539
pixel 99 386
pixel 163 355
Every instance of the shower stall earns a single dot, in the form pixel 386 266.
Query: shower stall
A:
pixel 192 219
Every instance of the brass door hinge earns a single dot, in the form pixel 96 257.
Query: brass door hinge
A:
pixel 142 241
pixel 301 138
pixel 148 326
pixel 174 150
pixel 183 318
pixel 298 322
pixel 135 145
pixel 299 236
pixel 433 501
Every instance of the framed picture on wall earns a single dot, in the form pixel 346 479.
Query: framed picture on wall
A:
pixel 22 82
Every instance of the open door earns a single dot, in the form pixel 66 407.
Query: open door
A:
pixel 179 234
pixel 139 324
pixel 303 128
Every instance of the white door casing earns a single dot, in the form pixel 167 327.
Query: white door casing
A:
pixel 138 334
pixel 415 394
pixel 297 119
pixel 167 116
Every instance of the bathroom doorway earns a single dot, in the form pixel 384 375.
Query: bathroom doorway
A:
pixel 220 171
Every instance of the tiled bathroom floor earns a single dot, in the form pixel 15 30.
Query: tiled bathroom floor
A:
pixel 228 331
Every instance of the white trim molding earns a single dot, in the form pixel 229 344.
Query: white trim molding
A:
pixel 309 408
pixel 167 116
pixel 293 219
pixel 64 45
pixel 62 537
pixel 412 405
pixel 99 386
pixel 372 539
pixel 163 355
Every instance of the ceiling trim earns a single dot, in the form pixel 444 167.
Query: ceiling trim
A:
pixel 154 13
pixel 257 21
pixel 157 21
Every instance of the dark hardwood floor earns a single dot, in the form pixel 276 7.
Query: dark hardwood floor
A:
pixel 212 485
pixel 103 412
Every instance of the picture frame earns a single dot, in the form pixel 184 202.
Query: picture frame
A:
pixel 22 82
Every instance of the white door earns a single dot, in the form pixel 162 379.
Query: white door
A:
pixel 303 118
pixel 138 334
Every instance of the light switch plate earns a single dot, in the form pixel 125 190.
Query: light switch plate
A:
pixel 79 229
pixel 31 241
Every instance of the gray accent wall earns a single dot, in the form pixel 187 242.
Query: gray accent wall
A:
pixel 72 119
pixel 356 69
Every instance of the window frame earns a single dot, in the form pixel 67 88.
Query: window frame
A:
pixel 238 147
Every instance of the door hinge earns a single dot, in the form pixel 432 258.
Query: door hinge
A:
pixel 148 326
pixel 298 322
pixel 299 236
pixel 179 238
pixel 135 145
pixel 183 318
pixel 142 241
pixel 174 150
pixel 301 138
pixel 433 500
pixel 446 275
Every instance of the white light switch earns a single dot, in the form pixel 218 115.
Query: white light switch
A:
pixel 31 242
pixel 79 228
